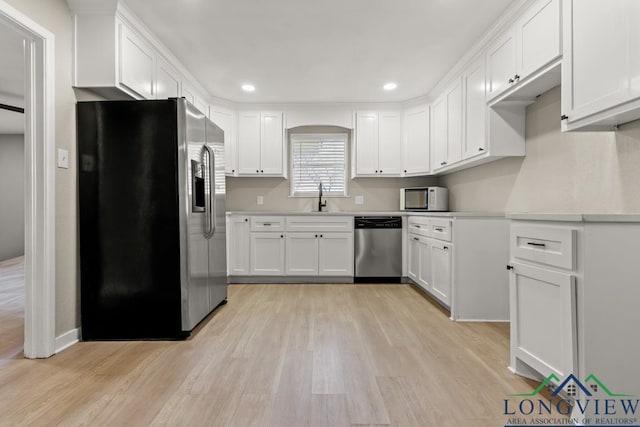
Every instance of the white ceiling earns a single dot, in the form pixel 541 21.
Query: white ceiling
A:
pixel 11 80
pixel 318 50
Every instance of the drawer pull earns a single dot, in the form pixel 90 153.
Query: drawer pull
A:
pixel 509 267
pixel 439 229
pixel 541 245
pixel 416 239
pixel 266 224
pixel 446 248
pixel 416 226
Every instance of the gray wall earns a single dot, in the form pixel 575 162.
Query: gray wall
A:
pixel 11 196
pixel 571 172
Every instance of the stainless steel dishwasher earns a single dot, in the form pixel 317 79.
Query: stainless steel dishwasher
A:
pixel 378 249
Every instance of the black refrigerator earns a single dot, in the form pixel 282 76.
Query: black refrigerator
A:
pixel 151 218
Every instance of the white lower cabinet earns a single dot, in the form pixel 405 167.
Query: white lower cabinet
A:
pixel 267 254
pixel 441 270
pixel 265 245
pixel 302 254
pixel 413 257
pixel 335 257
pixel 238 245
pixel 424 263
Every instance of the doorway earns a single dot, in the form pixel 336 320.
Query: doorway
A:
pixel 31 278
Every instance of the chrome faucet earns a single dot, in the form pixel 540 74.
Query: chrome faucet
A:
pixel 321 204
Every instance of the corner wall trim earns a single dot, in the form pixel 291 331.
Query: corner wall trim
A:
pixel 67 339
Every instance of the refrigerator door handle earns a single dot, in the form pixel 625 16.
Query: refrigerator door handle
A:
pixel 212 192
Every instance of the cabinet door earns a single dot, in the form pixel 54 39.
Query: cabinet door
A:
pixel 439 133
pixel 413 267
pixel 271 143
pixel 425 270
pixel 595 68
pixel 137 63
pixel 366 143
pixel 267 254
pixel 389 143
pixel 474 138
pixel 238 246
pixel 416 151
pixel 441 270
pixel 501 64
pixel 454 123
pixel 226 119
pixel 538 35
pixel 336 254
pixel 302 254
pixel 249 143
pixel 543 319
pixel 167 80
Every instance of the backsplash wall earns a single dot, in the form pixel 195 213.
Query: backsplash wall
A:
pixel 380 194
pixel 571 172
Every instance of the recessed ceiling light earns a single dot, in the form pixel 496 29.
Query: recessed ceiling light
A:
pixel 390 86
pixel 248 88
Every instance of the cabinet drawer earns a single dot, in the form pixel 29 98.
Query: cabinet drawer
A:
pixel 441 229
pixel 419 225
pixel 552 246
pixel 267 223
pixel 319 223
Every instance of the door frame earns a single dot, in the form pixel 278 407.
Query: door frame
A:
pixel 39 141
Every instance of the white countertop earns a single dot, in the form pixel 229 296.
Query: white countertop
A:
pixel 574 217
pixel 370 213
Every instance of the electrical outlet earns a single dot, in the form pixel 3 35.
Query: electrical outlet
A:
pixel 260 200
pixel 359 200
pixel 63 158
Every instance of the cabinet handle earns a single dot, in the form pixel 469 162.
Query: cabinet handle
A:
pixel 517 77
pixel 380 170
pixel 261 171
pixel 439 229
pixel 509 267
pixel 246 220
pixel 446 248
pixel 321 236
pixel 257 171
pixel 233 171
pixel 281 236
pixel 416 226
pixel 267 224
pixel 405 171
pixel 542 245
pixel 480 149
pixel 415 238
pixel 564 117
pixel 511 81
pixel 316 236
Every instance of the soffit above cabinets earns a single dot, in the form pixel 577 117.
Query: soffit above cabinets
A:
pixel 329 51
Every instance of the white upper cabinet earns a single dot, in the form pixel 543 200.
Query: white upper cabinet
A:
pixel 167 80
pixel 389 143
pixel 378 143
pixel 188 93
pixel 366 143
pixel 226 119
pixel 447 127
pixel 501 63
pixel 439 133
pixel 137 63
pixel 474 137
pixel 538 33
pixel 454 122
pixel 526 47
pixel 416 156
pixel 601 66
pixel 260 143
pixel 271 143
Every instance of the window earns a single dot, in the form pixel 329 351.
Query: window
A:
pixel 318 158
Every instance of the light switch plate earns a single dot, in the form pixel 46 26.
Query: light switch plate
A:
pixel 359 200
pixel 63 158
pixel 260 200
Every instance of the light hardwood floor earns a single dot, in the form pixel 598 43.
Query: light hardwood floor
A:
pixel 281 355
pixel 11 308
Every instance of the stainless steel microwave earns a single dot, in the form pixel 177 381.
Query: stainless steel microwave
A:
pixel 424 199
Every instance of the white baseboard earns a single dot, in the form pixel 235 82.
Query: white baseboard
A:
pixel 67 339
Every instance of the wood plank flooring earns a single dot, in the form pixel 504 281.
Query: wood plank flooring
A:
pixel 11 308
pixel 281 355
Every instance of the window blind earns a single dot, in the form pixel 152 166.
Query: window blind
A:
pixel 318 158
